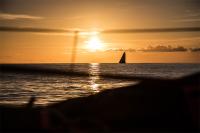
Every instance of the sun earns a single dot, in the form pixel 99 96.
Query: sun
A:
pixel 94 44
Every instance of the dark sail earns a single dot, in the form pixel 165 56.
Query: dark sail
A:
pixel 123 58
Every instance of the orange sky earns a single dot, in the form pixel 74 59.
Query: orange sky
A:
pixel 99 15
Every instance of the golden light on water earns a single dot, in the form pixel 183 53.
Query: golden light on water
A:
pixel 94 76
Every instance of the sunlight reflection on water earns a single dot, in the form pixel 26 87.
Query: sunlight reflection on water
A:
pixel 94 76
pixel 17 88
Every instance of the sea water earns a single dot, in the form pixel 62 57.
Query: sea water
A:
pixel 18 88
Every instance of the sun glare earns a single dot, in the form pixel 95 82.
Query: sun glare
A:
pixel 94 44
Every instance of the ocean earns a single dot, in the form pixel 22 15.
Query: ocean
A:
pixel 17 88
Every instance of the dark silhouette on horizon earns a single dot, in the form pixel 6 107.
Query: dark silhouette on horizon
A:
pixel 123 58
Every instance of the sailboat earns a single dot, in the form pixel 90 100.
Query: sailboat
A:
pixel 123 58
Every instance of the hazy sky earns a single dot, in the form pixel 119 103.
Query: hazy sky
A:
pixel 99 15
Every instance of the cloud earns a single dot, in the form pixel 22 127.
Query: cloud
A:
pixel 8 16
pixel 158 48
pixel 189 16
pixel 189 20
pixel 195 49
pixel 161 48
pixel 120 49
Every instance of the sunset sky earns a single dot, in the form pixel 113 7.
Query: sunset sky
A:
pixel 97 15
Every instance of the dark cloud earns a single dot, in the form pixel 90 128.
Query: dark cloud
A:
pixel 32 29
pixel 8 16
pixel 154 30
pixel 161 48
pixel 195 49
pixel 116 31
pixel 158 48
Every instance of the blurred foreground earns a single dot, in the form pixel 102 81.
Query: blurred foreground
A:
pixel 151 105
